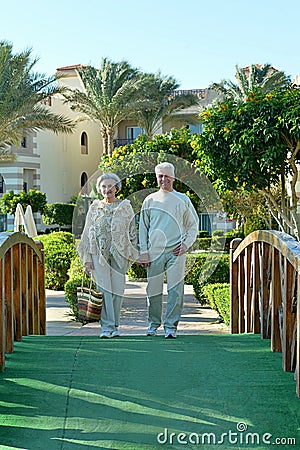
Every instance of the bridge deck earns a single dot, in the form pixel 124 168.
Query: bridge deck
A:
pixel 80 392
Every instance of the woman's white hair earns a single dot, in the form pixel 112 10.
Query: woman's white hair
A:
pixel 109 176
pixel 165 166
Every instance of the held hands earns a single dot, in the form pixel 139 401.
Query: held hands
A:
pixel 144 260
pixel 180 250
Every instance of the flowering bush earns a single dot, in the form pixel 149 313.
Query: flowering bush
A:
pixel 134 163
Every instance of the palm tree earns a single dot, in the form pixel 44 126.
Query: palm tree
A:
pixel 159 100
pixel 110 95
pixel 23 94
pixel 256 76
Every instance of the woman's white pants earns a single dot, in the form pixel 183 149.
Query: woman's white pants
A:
pixel 110 280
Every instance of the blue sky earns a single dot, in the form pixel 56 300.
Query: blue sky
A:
pixel 196 41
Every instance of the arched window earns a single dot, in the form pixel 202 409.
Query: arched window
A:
pixel 83 183
pixel 84 143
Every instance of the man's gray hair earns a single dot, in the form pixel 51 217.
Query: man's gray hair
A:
pixel 165 165
pixel 109 176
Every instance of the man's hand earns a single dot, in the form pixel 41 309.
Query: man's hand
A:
pixel 180 250
pixel 144 260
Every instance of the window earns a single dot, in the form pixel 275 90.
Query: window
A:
pixel 1 184
pixel 83 183
pixel 196 128
pixel 133 132
pixel 24 142
pixel 84 143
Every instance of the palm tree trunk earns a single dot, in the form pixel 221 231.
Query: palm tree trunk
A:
pixel 105 140
pixel 110 135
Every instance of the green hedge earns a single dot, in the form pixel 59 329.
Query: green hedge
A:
pixel 203 234
pixel 59 251
pixel 137 273
pixel 199 267
pixel 58 214
pixel 218 297
pixel 202 243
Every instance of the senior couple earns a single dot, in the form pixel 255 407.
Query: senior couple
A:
pixel 168 226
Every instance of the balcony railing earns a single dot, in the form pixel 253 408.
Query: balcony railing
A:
pixel 199 93
pixel 121 142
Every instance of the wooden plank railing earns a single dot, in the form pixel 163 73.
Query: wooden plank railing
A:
pixel 22 290
pixel 265 293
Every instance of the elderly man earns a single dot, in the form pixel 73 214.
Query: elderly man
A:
pixel 168 227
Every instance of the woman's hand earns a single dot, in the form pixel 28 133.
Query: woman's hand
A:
pixel 144 260
pixel 89 266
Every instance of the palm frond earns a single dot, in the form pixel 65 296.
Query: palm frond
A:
pixel 22 92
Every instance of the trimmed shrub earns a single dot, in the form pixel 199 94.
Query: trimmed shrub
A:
pixel 218 240
pixel 202 244
pixel 58 214
pixel 198 270
pixel 75 274
pixel 203 234
pixel 137 273
pixel 59 251
pixel 218 297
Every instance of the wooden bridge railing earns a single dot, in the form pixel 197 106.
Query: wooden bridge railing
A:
pixel 265 293
pixel 22 294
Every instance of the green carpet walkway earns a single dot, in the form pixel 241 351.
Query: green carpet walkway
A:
pixel 200 391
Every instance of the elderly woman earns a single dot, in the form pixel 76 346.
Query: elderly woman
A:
pixel 107 247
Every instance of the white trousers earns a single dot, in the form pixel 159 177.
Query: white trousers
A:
pixel 110 280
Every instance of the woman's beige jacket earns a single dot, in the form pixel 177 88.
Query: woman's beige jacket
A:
pixel 109 229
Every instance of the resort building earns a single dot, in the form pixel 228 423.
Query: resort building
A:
pixel 61 164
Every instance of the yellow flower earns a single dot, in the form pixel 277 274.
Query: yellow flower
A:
pixel 144 183
pixel 240 112
pixel 244 184
pixel 206 114
pixel 226 130
pixel 250 97
pixel 193 144
pixel 279 118
pixel 121 157
pixel 236 178
pixel 269 96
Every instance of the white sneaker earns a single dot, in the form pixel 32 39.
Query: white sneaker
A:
pixel 106 335
pixel 170 334
pixel 151 331
pixel 115 333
